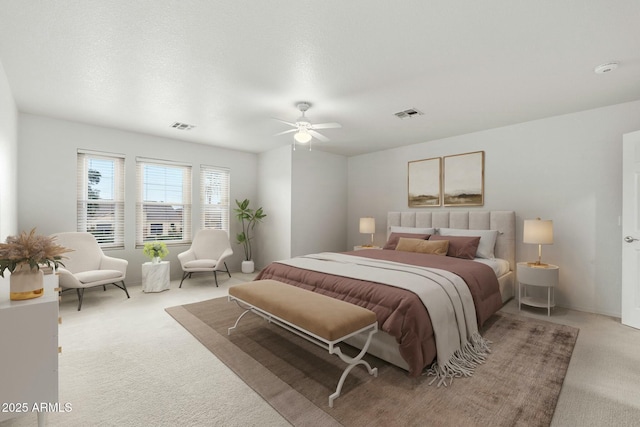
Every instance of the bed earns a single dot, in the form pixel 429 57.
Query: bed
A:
pixel 407 337
pixel 502 221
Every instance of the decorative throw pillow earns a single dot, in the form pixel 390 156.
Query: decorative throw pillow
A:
pixel 394 237
pixel 487 239
pixel 460 246
pixel 423 246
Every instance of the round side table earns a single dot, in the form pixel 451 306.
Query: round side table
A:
pixel 545 276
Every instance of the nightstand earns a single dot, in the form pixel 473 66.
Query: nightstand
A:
pixel 540 276
pixel 359 248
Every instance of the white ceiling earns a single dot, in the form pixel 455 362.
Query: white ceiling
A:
pixel 228 67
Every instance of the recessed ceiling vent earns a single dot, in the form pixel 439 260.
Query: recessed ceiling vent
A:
pixel 182 126
pixel 407 114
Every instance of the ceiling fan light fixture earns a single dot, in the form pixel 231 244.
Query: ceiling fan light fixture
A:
pixel 302 136
pixel 303 130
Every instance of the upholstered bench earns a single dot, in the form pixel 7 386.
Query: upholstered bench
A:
pixel 320 319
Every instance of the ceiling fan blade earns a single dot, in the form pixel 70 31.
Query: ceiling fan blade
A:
pixel 318 136
pixel 326 126
pixel 285 122
pixel 286 131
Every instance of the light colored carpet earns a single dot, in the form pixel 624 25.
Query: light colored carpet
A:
pixel 127 362
pixel 602 386
pixel 519 383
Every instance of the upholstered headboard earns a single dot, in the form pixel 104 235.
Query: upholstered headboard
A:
pixel 503 221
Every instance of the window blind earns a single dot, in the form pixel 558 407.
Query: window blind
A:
pixel 163 208
pixel 100 197
pixel 214 197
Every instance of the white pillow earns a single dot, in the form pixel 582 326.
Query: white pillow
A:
pixel 414 230
pixel 487 239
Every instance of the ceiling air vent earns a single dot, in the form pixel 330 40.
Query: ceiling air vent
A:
pixel 406 114
pixel 182 126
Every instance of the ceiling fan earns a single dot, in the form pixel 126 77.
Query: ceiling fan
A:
pixel 304 130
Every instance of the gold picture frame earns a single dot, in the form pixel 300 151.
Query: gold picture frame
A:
pixel 463 179
pixel 424 187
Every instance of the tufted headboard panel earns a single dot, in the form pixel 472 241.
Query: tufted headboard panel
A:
pixel 503 221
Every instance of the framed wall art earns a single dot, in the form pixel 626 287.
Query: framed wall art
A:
pixel 464 179
pixel 424 187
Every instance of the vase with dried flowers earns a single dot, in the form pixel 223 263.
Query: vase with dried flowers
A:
pixel 23 255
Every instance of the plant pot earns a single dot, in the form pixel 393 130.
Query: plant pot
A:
pixel 156 260
pixel 248 266
pixel 26 283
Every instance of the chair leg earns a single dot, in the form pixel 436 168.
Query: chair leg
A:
pixel 228 272
pixel 215 276
pixel 184 276
pixel 104 287
pixel 80 292
pixel 123 287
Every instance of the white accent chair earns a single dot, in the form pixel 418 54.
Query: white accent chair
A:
pixel 87 266
pixel 208 251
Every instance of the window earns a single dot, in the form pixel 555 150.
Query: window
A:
pixel 163 209
pixel 101 197
pixel 214 197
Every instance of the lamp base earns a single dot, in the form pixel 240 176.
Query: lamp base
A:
pixel 537 264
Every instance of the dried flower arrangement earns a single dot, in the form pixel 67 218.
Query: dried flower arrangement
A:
pixel 30 249
pixel 155 250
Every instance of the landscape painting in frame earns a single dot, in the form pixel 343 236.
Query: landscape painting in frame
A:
pixel 424 183
pixel 464 179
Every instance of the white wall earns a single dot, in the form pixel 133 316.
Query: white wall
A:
pixel 304 194
pixel 8 160
pixel 273 236
pixel 47 178
pixel 565 168
pixel 319 203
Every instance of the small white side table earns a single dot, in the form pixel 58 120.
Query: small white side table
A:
pixel 359 248
pixel 155 277
pixel 540 276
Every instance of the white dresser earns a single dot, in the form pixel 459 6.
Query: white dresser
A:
pixel 28 351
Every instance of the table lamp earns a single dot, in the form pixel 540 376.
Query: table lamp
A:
pixel 368 226
pixel 539 232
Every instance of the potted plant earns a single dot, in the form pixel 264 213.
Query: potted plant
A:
pixel 155 251
pixel 248 218
pixel 23 255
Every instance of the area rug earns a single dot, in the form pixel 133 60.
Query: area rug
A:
pixel 519 384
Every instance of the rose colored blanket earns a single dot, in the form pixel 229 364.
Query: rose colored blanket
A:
pixel 400 312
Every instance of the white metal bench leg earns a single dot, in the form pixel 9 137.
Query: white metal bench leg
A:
pixel 331 346
pixel 237 321
pixel 352 362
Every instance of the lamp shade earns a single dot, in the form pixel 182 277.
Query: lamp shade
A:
pixel 367 225
pixel 538 231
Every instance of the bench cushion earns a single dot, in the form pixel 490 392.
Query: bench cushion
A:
pixel 319 314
